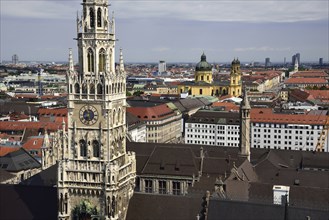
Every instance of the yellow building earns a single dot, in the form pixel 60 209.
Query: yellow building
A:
pixel 204 84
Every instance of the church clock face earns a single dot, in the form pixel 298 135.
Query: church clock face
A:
pixel 88 115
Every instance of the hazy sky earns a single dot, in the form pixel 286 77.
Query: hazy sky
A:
pixel 175 31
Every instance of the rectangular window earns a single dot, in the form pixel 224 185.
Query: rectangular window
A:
pixel 148 186
pixel 162 187
pixel 176 188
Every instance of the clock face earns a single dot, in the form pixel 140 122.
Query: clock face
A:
pixel 88 115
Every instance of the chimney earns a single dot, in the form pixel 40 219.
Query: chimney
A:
pixel 291 161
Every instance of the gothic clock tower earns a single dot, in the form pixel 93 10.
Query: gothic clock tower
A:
pixel 96 175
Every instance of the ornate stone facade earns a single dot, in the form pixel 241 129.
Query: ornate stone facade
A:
pixel 93 165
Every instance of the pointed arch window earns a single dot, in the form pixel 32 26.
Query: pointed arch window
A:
pixel 101 64
pixel 113 206
pixel 96 148
pixel 92 17
pixel 99 17
pixel 77 88
pixel 83 148
pixel 65 204
pixel 92 89
pixel 114 117
pixel 108 207
pixel 99 89
pixel 119 116
pixel 90 58
pixel 84 88
pixel 61 203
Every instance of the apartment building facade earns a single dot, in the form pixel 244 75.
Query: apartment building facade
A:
pixel 307 132
pixel 163 124
pixel 210 127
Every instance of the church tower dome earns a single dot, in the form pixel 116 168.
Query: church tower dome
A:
pixel 203 65
pixel 203 71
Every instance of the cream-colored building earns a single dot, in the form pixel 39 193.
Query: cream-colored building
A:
pixel 93 165
pixel 163 124
pixel 204 84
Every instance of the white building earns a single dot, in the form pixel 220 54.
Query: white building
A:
pixel 289 131
pixel 162 66
pixel 213 128
pixel 136 128
pixel 268 130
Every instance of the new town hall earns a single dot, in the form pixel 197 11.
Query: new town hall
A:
pixel 94 169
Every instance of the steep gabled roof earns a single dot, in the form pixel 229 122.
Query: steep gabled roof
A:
pixel 27 202
pixel 171 161
pixel 47 177
pixel 18 160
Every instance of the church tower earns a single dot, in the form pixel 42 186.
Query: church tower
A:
pixel 96 175
pixel 235 79
pixel 203 71
pixel 244 151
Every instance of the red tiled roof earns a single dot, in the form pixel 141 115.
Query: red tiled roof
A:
pixel 174 83
pixel 310 74
pixel 21 125
pixel 33 143
pixel 306 81
pixel 151 113
pixel 320 94
pixel 4 135
pixel 59 112
pixel 17 116
pixel 25 95
pixel 52 96
pixel 265 115
pixel 229 106
pixel 7 150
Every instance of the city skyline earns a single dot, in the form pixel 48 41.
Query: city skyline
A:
pixel 174 31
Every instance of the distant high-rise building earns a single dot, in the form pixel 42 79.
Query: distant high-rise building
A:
pixel 320 61
pixel 162 66
pixel 15 59
pixel 295 58
pixel 284 61
pixel 298 58
pixel 296 66
pixel 267 62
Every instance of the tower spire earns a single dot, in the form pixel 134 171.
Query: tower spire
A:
pixel 244 151
pixel 122 68
pixel 245 102
pixel 113 23
pixel 78 21
pixel 71 65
